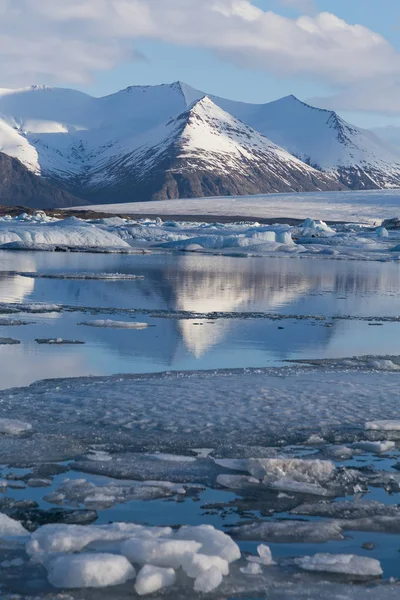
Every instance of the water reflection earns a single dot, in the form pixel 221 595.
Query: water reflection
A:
pixel 199 284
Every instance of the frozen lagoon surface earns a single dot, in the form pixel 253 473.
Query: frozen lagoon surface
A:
pixel 243 444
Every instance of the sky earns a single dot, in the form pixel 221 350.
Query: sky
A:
pixel 337 54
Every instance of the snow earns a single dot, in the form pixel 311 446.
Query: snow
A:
pixel 347 564
pixel 14 427
pixel 151 579
pixel 115 324
pixel 357 206
pixel 89 571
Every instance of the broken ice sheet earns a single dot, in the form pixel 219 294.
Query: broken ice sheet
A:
pixel 76 492
pixel 290 531
pixel 345 564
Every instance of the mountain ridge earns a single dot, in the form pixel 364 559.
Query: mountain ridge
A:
pixel 102 149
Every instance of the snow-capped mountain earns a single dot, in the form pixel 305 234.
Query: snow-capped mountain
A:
pixel 172 141
pixel 358 157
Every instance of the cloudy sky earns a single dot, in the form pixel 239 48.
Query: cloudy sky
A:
pixel 341 54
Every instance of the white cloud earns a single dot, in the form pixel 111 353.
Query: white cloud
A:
pixel 48 41
pixel 381 95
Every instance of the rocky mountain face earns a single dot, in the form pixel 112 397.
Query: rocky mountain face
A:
pixel 172 141
pixel 21 187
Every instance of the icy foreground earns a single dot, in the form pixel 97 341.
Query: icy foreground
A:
pixel 191 560
pixel 175 409
pixel 312 238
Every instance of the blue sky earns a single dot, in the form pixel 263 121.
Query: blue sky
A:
pixel 250 50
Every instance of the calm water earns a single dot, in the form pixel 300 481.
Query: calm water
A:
pixel 233 287
pixel 268 313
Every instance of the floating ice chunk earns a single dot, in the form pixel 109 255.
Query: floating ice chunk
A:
pixel 347 564
pixel 289 485
pixel 10 527
pixel 214 542
pixel 8 341
pixel 289 531
pixel 374 447
pixel 89 571
pixel 151 579
pixel 264 556
pixel 315 229
pixel 36 482
pixel 389 523
pixel 173 457
pixel 14 427
pixel 208 581
pixel 339 452
pixel 195 565
pixel 159 552
pixel 115 324
pixel 57 341
pixel 235 464
pixel 315 440
pixel 61 538
pixel 251 568
pixel 90 276
pixel 82 491
pixel 358 509
pixel 383 425
pixel 295 469
pixel 382 232
pixel 237 482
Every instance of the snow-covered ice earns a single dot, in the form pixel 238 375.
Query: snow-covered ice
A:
pixel 290 531
pixel 10 527
pixel 264 556
pixel 383 425
pixel 372 446
pixel 346 564
pixel 313 238
pixel 109 323
pixel 13 426
pixel 151 579
pixel 89 571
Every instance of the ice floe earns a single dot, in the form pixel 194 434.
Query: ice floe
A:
pixel 115 324
pixel 188 409
pixel 378 447
pixel 14 427
pixel 151 579
pixel 89 571
pixel 290 531
pixel 346 564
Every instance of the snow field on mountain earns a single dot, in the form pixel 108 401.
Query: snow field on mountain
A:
pixel 65 134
